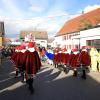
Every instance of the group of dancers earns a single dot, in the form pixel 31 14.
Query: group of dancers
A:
pixel 73 60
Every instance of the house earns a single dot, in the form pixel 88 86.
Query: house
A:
pixel 40 37
pixel 80 31
pixel 51 42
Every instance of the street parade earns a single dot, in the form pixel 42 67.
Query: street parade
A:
pixel 49 49
pixel 27 60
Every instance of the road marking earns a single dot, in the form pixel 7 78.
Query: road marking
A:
pixel 5 80
pixel 13 87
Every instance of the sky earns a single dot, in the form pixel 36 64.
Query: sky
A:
pixel 43 15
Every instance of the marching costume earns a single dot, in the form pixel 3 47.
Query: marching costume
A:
pixel 15 59
pixel 85 60
pixel 27 61
pixel 74 61
pixel 32 64
pixel 55 61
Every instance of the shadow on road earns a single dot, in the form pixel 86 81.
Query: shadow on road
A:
pixel 49 85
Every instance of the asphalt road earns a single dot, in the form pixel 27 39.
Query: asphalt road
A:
pixel 50 84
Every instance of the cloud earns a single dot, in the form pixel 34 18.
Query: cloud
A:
pixel 51 23
pixel 36 8
pixel 12 9
pixel 1 11
pixel 13 28
pixel 90 8
pixel 54 18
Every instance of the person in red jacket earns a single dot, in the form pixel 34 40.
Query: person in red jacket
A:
pixel 32 64
pixel 74 61
pixel 85 60
pixel 15 60
pixel 21 61
pixel 55 58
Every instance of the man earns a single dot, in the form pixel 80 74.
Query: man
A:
pixel 85 60
pixel 32 64
pixel 55 61
pixel 14 59
pixel 74 62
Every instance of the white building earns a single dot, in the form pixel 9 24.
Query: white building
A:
pixel 90 37
pixel 40 37
pixel 51 42
pixel 83 30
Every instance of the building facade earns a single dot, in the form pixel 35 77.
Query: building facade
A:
pixel 40 37
pixel 2 33
pixel 83 30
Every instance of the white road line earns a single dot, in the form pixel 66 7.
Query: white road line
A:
pixel 13 87
pixel 5 80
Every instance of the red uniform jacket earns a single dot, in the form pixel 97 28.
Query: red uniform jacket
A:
pixel 66 58
pixel 85 58
pixel 74 60
pixel 55 61
pixel 32 62
pixel 14 59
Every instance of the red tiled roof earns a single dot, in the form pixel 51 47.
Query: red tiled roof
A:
pixel 80 22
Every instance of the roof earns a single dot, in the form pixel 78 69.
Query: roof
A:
pixel 36 34
pixel 83 21
pixel 50 40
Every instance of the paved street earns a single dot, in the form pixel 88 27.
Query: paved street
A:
pixel 50 84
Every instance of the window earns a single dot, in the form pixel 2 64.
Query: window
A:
pixel 95 43
pixel 64 38
pixel 42 41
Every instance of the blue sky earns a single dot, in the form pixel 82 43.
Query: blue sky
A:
pixel 48 15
